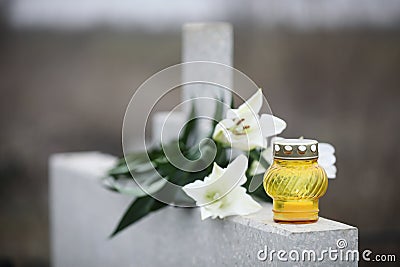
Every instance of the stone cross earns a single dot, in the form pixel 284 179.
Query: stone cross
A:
pixel 207 42
pixel 201 42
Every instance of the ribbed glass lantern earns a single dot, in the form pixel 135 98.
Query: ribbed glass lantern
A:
pixel 295 181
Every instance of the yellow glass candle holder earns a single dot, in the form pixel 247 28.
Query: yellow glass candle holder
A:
pixel 295 181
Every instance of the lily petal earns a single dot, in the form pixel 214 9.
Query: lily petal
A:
pixel 251 106
pixel 330 171
pixel 197 190
pixel 223 191
pixel 238 203
pixel 205 213
pixel 221 129
pixel 326 148
pixel 244 203
pixel 237 168
pixel 326 159
pixel 232 176
pixel 223 135
pixel 217 172
pixel 271 125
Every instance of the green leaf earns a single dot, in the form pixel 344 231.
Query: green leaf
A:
pixel 144 184
pixel 132 157
pixel 189 127
pixel 157 205
pixel 138 162
pixel 218 114
pixel 139 208
pixel 256 155
pixel 141 168
pixel 119 170
pixel 257 180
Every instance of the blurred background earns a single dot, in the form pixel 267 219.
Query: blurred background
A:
pixel 331 69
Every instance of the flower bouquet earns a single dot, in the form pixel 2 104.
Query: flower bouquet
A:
pixel 240 146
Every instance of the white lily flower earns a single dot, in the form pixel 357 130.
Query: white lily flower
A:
pixel 326 159
pixel 221 193
pixel 244 129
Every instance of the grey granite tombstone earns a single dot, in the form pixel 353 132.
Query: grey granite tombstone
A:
pixel 83 214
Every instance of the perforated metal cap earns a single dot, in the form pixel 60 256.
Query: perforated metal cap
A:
pixel 296 149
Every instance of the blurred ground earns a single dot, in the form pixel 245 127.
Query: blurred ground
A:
pixel 68 92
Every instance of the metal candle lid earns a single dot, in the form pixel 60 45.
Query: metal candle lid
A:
pixel 296 149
